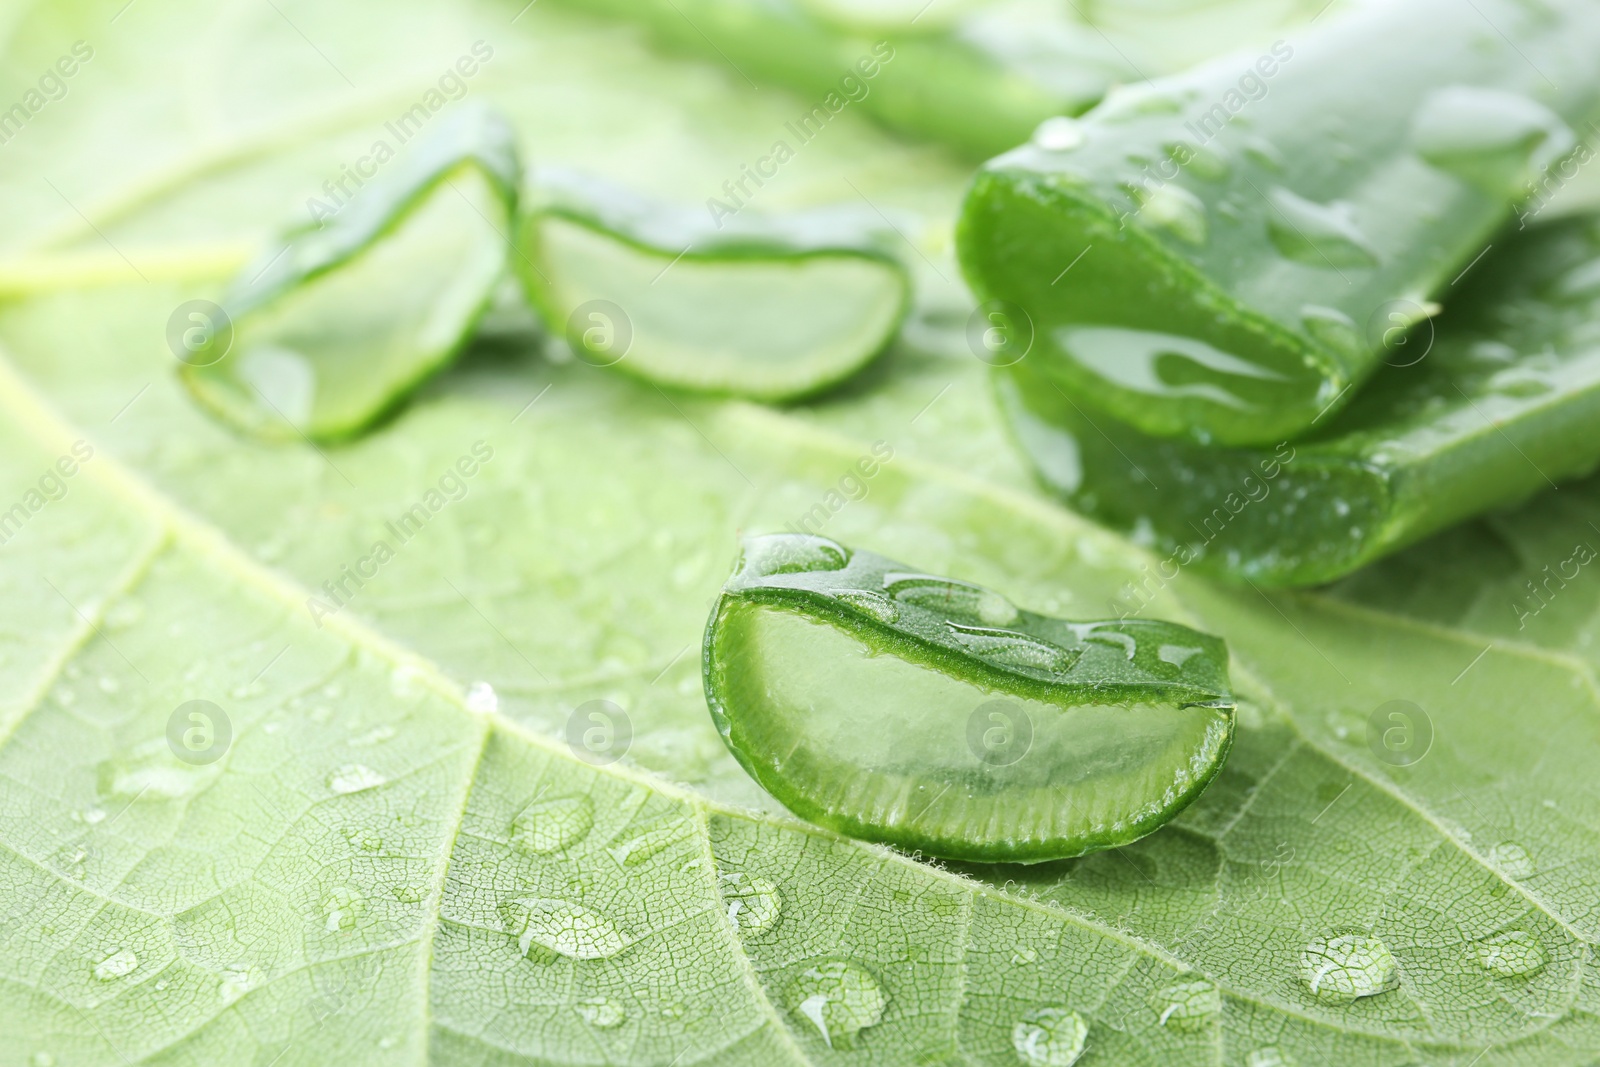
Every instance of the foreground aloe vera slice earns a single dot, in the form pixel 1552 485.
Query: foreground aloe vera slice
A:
pixel 337 324
pixel 771 309
pixel 1251 231
pixel 933 714
pixel 1503 405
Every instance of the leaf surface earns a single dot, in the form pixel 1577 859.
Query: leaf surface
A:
pixel 344 884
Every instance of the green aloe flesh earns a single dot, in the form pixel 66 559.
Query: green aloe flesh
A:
pixel 770 309
pixel 1500 404
pixel 933 714
pixel 336 325
pixel 1250 232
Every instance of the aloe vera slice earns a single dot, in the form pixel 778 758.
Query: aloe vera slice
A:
pixel 1503 405
pixel 1250 230
pixel 933 714
pixel 771 309
pixel 335 325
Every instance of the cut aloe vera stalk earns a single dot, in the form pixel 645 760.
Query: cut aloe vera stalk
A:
pixel 333 327
pixel 977 77
pixel 933 714
pixel 1253 231
pixel 1501 404
pixel 771 309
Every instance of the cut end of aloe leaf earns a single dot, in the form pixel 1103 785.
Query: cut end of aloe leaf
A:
pixel 1132 329
pixel 337 325
pixel 935 715
pixel 758 312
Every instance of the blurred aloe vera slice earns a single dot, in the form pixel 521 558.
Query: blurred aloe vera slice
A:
pixel 934 714
pixel 773 309
pixel 1489 404
pixel 336 324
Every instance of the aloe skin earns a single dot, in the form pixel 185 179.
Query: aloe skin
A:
pixel 1250 231
pixel 768 308
pixel 337 323
pixel 979 83
pixel 933 714
pixel 1503 405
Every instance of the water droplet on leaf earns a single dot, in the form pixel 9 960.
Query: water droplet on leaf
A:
pixel 840 998
pixel 547 826
pixel 1512 859
pixel 121 962
pixel 1513 954
pixel 1059 134
pixel 1495 140
pixel 482 699
pixel 753 902
pixel 874 604
pixel 1050 1037
pixel 353 778
pixel 342 907
pixel 1187 1006
pixel 559 926
pixel 602 1013
pixel 1348 966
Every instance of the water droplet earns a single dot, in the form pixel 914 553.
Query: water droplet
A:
pixel 92 816
pixel 353 778
pixel 547 826
pixel 1495 140
pixel 753 902
pixel 558 926
pixel 121 962
pixel 1519 382
pixel 42 1059
pixel 793 554
pixel 947 597
pixel 648 843
pixel 1014 649
pixel 342 907
pixel 375 736
pixel 1187 1006
pixel 1199 160
pixel 1059 134
pixel 151 771
pixel 1335 329
pixel 1318 235
pixel 1177 211
pixel 1263 153
pixel 108 684
pixel 1348 966
pixel 482 699
pixel 407 894
pixel 1161 364
pixel 1513 860
pixel 1513 954
pixel 1271 1056
pixel 1130 101
pixel 236 982
pixel 602 1013
pixel 1177 655
pixel 839 998
pixel 875 604
pixel 1023 954
pixel 1050 1037
pixel 123 614
pixel 405 681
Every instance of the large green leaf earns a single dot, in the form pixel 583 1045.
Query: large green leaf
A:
pixel 344 884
